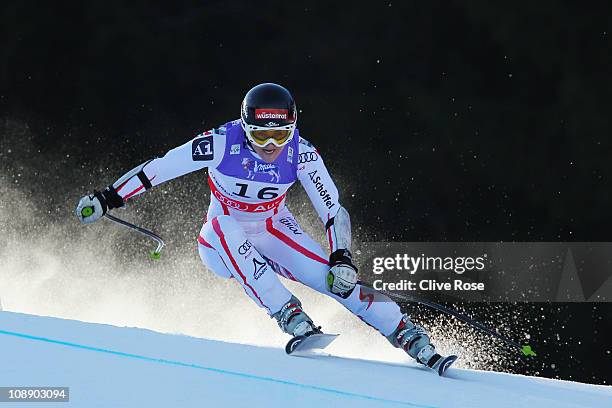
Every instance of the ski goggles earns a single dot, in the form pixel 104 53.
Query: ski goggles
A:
pixel 264 136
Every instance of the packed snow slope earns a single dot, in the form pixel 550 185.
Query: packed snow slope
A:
pixel 108 366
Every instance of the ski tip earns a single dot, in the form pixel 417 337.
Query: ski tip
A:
pixel 445 364
pixel 292 344
pixel 155 255
pixel 309 342
pixel 526 349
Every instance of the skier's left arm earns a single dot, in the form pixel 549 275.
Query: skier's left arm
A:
pixel 323 193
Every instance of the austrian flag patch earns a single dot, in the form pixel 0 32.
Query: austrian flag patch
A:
pixel 271 114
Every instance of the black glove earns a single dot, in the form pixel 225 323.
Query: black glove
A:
pixel 342 275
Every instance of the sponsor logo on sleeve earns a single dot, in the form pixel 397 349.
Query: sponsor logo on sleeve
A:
pixel 316 180
pixel 260 268
pixel 235 149
pixel 202 148
pixel 307 157
pixel 261 114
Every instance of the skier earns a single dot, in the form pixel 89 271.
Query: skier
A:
pixel 250 235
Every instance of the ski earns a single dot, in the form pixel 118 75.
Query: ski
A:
pixel 309 342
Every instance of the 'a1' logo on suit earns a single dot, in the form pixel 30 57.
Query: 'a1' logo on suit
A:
pixel 202 148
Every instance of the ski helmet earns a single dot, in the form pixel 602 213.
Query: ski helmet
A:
pixel 268 115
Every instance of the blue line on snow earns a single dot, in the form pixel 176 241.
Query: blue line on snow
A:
pixel 215 370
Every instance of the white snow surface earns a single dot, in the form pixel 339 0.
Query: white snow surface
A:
pixel 109 366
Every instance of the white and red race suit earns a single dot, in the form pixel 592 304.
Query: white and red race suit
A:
pixel 249 233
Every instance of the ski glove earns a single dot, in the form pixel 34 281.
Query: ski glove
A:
pixel 92 207
pixel 342 276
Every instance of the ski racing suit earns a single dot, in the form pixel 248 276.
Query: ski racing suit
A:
pixel 249 234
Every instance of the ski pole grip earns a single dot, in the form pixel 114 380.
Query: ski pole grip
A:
pixel 87 211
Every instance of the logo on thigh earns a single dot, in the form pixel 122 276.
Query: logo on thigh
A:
pixel 245 248
pixel 260 268
pixel 291 225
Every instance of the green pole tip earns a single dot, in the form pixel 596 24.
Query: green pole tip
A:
pixel 87 211
pixel 155 255
pixel 526 349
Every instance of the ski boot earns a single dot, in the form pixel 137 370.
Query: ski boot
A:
pixel 306 336
pixel 293 321
pixel 414 340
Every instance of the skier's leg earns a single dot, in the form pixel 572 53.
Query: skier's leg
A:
pixel 211 258
pixel 243 261
pixel 305 261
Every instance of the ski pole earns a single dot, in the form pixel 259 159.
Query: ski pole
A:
pixel 526 349
pixel 87 211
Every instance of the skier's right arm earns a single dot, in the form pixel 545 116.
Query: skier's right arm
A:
pixel 205 150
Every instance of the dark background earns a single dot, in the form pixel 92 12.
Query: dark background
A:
pixel 442 121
